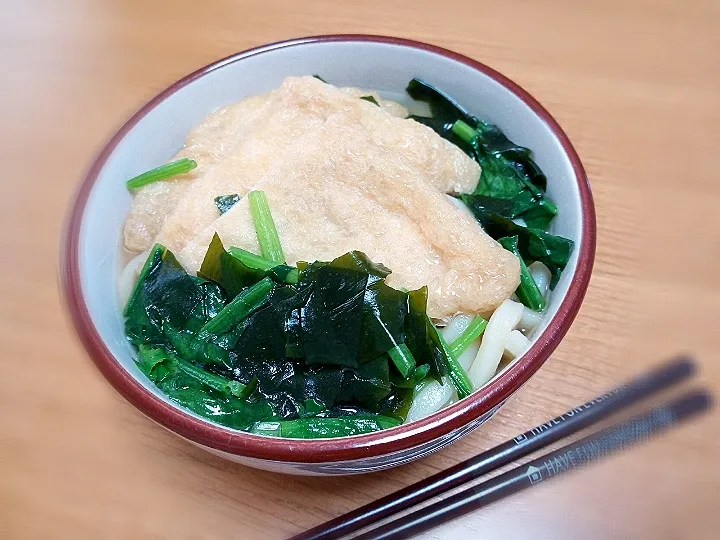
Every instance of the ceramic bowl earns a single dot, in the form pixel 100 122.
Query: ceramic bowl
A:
pixel 92 252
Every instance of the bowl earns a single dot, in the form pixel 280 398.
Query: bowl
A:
pixel 92 251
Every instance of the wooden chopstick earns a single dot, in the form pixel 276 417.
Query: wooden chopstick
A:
pixel 566 459
pixel 536 438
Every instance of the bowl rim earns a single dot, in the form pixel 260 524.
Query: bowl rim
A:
pixel 393 440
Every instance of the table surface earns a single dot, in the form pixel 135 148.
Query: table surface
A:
pixel 635 83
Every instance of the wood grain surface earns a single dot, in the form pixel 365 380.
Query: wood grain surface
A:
pixel 635 83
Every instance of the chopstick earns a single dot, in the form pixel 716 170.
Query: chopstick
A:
pixel 566 424
pixel 566 459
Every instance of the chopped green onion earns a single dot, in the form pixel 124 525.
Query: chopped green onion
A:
pixel 320 427
pixel 527 292
pixel 241 307
pixel 181 166
pixel 265 227
pixel 456 373
pixel 403 359
pixel 258 262
pixel 465 131
pixel 470 334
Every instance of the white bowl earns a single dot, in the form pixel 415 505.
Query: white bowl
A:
pixel 92 254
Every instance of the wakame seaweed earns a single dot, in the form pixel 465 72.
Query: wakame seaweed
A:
pixel 226 202
pixel 370 99
pixel 244 345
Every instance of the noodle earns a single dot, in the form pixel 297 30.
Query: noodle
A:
pixel 452 331
pixel 541 275
pixel 128 277
pixel 501 323
pixel 431 397
pixel 516 344
pixel 529 320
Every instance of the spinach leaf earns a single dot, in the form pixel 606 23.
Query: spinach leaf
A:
pixel 456 373
pixel 445 111
pixel 508 174
pixel 164 294
pixel 226 202
pixel 279 272
pixel 533 244
pixel 188 346
pixel 208 395
pixel 508 171
pixel 324 427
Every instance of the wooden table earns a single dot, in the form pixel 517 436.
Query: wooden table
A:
pixel 635 83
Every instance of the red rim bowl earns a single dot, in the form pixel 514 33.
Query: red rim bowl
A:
pixel 347 448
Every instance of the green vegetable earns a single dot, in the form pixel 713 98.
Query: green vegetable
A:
pixel 504 177
pixel 164 294
pixel 216 382
pixel 533 244
pixel 370 99
pixel 318 428
pixel 445 111
pixel 313 407
pixel 257 262
pixel 470 334
pixel 416 377
pixel 511 184
pixel 241 307
pixel 241 345
pixel 189 346
pixel 403 359
pixel 228 271
pixel 202 392
pixel 265 227
pixel 163 172
pixel 212 301
pixel 527 292
pixel 226 202
pixel 456 373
